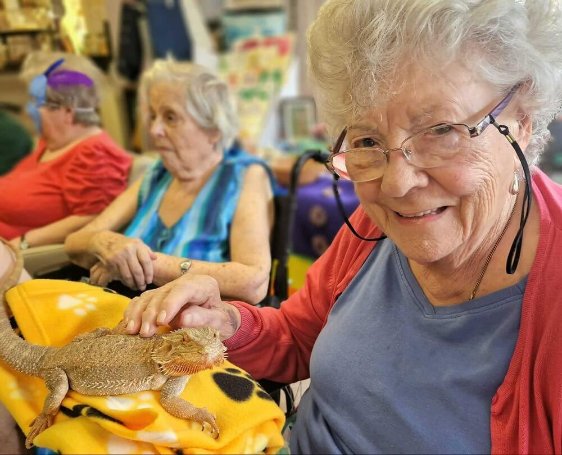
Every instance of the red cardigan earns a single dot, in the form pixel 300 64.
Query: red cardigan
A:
pixel 526 409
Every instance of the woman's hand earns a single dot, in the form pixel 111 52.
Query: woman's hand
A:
pixel 100 275
pixel 189 301
pixel 126 259
pixel 16 242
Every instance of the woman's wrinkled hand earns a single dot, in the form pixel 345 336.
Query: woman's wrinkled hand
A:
pixel 129 260
pixel 100 275
pixel 189 301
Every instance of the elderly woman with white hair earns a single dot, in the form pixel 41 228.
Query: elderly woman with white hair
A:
pixel 205 207
pixel 437 330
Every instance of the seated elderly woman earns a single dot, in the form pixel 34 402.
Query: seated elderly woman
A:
pixel 75 171
pixel 205 207
pixel 438 329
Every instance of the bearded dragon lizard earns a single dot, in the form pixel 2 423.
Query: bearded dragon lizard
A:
pixel 109 362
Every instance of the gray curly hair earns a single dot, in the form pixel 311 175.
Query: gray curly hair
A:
pixel 356 48
pixel 207 97
pixel 84 100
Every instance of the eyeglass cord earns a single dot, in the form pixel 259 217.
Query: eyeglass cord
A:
pixel 517 245
pixel 322 158
pixel 514 252
pixel 344 216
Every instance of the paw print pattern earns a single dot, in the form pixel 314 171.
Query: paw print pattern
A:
pixel 80 304
pixel 117 444
pixel 140 400
pixel 238 385
pixel 18 393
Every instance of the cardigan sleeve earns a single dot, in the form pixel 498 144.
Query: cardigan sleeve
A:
pixel 276 344
pixel 95 175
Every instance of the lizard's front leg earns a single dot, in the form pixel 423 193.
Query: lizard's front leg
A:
pixel 120 328
pixel 57 384
pixel 178 407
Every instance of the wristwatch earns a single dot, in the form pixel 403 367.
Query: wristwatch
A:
pixel 185 266
pixel 23 243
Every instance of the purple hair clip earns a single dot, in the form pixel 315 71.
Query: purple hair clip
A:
pixel 66 77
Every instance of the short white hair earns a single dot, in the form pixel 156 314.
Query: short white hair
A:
pixel 207 98
pixel 355 49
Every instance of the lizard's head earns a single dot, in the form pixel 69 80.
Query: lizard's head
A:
pixel 187 351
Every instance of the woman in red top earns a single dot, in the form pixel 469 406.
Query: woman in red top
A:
pixel 75 171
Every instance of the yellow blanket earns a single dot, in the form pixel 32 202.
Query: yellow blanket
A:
pixel 52 312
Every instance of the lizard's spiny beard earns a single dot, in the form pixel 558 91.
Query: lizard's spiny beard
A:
pixel 187 351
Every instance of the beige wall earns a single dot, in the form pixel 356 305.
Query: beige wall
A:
pixel 303 13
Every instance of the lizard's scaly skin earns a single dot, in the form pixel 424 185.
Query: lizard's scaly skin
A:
pixel 110 362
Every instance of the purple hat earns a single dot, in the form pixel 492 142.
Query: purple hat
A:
pixel 67 77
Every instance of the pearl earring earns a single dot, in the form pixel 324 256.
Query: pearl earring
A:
pixel 514 189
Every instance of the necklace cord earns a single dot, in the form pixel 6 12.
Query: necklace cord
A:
pixel 491 253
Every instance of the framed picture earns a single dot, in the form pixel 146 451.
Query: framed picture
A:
pixel 298 117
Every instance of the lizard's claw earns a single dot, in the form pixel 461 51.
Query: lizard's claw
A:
pixel 211 421
pixel 38 425
pixel 213 427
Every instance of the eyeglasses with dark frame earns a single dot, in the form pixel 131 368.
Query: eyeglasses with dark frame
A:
pixel 338 171
pixel 430 147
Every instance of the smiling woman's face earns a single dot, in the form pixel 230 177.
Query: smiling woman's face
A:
pixel 445 212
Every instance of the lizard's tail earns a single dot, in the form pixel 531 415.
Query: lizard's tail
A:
pixel 15 351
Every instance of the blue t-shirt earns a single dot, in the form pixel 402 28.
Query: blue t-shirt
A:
pixel 391 373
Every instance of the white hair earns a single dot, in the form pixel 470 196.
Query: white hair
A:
pixel 207 97
pixel 357 47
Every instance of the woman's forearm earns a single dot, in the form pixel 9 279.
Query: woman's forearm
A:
pixel 167 268
pixel 236 280
pixel 79 246
pixel 55 232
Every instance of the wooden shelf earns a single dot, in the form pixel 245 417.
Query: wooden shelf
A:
pixel 25 32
